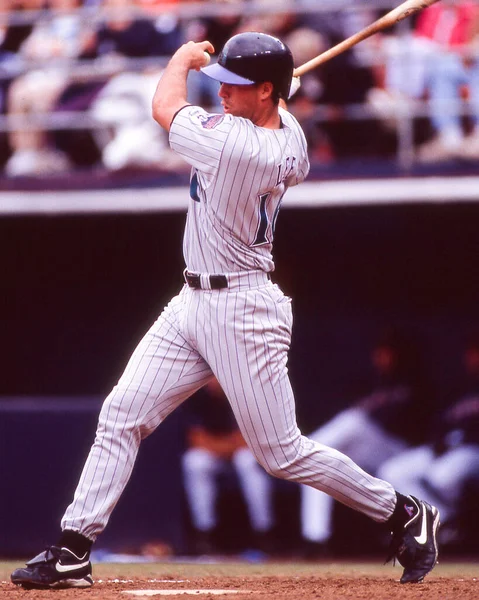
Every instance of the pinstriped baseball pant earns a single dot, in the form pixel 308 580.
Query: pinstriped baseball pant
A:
pixel 242 336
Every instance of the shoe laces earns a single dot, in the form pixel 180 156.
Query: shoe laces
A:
pixel 52 553
pixel 394 547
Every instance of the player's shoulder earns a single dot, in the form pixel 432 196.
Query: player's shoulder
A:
pixel 288 119
pixel 286 116
pixel 197 117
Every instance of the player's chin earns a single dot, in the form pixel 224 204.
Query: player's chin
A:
pixel 228 110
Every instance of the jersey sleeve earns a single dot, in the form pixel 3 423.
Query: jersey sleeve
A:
pixel 301 149
pixel 199 137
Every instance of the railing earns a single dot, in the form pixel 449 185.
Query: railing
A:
pixel 104 67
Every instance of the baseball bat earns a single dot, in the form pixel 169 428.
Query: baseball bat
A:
pixel 404 10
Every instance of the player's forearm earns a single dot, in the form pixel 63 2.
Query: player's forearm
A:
pixel 171 91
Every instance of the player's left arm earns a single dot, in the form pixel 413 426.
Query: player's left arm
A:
pixel 171 92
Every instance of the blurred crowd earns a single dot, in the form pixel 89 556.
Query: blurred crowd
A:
pixel 77 78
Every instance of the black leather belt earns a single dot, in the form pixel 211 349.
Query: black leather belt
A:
pixel 217 282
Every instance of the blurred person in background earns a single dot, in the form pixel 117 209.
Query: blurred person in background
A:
pixel 132 29
pixel 331 87
pixel 58 37
pixel 437 60
pixel 129 139
pixel 12 35
pixel 452 76
pixel 215 444
pixel 59 40
pixel 129 30
pixel 442 469
pixel 386 420
pixel 274 18
pixel 305 44
pixel 122 101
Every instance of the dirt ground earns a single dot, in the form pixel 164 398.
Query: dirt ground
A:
pixel 268 581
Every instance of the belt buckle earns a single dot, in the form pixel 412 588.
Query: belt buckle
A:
pixel 193 280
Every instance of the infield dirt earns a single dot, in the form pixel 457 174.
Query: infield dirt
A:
pixel 266 581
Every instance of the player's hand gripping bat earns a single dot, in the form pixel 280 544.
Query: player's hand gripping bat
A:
pixel 404 10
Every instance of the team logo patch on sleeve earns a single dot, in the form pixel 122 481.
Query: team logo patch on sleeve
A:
pixel 212 121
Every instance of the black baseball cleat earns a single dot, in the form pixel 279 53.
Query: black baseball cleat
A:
pixel 55 568
pixel 415 544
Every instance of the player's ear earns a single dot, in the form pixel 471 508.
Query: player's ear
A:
pixel 266 89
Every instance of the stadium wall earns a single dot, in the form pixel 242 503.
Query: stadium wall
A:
pixel 79 290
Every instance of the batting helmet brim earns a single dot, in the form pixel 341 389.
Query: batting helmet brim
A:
pixel 221 74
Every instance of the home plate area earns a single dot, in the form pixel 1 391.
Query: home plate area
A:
pixel 182 592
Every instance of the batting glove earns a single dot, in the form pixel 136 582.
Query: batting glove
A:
pixel 294 87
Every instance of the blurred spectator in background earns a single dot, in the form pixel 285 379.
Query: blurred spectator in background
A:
pixel 57 39
pixel 129 138
pixel 452 75
pixel 130 29
pixel 338 20
pixel 305 44
pixel 278 18
pixel 443 469
pixel 134 33
pixel 326 90
pixel 391 417
pixel 436 60
pixel 12 35
pixel 214 445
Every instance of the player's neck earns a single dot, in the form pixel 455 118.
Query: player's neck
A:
pixel 269 119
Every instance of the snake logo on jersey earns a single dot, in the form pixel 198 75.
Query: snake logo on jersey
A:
pixel 212 121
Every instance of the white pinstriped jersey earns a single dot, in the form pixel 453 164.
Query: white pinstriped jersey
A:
pixel 236 186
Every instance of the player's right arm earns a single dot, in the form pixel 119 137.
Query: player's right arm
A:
pixel 171 91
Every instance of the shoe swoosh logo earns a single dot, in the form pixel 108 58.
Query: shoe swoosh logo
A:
pixel 66 568
pixel 422 537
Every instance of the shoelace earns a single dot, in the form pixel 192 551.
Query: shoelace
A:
pixel 51 553
pixel 394 545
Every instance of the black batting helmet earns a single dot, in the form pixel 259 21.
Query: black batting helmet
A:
pixel 253 57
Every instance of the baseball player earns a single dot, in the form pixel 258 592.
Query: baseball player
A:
pixel 229 319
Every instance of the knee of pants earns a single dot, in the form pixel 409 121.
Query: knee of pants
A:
pixel 284 468
pixel 122 416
